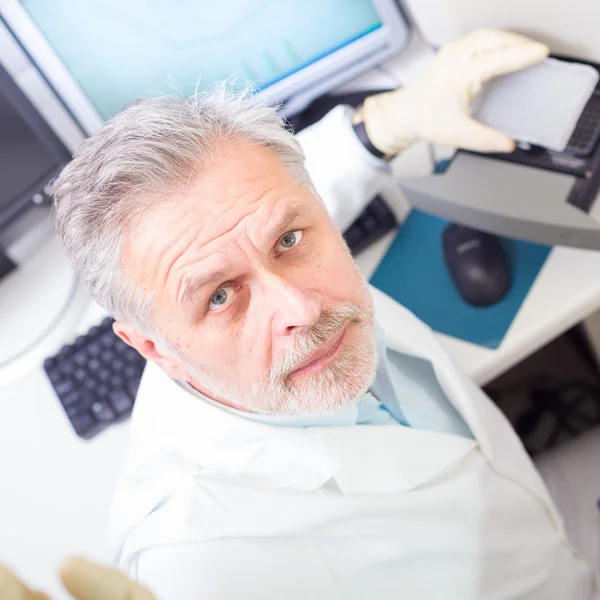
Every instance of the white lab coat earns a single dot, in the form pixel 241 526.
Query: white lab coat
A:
pixel 215 506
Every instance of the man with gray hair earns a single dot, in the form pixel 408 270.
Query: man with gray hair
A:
pixel 284 446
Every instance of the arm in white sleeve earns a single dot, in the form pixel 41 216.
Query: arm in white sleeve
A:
pixel 345 174
pixel 235 569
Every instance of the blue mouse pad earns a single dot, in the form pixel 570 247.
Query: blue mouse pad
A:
pixel 414 273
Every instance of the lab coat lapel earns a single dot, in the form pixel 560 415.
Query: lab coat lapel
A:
pixel 379 459
pixel 168 417
pixel 495 437
pixel 376 459
pixel 364 459
pixel 405 333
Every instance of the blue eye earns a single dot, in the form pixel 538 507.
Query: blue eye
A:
pixel 221 298
pixel 289 240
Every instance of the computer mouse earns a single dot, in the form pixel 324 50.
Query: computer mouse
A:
pixel 477 264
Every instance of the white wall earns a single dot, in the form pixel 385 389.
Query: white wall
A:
pixel 568 26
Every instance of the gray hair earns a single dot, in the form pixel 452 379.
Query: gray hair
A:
pixel 144 153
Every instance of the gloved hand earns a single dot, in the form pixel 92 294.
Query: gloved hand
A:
pixel 84 581
pixel 436 106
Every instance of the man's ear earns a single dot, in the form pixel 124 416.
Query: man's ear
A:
pixel 147 348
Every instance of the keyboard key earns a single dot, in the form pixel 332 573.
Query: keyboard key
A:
pixel 75 409
pixel 121 346
pixel 70 399
pixel 67 368
pixel 79 375
pixel 130 371
pixel 116 381
pixel 108 339
pixel 64 387
pixel 82 423
pixel 102 411
pixel 67 350
pixel 89 383
pixel 80 358
pixel 353 235
pixel 131 354
pixel 373 223
pixel 370 224
pixel 117 364
pixel 121 401
pixel 50 363
pixel 132 386
pixel 54 375
pixel 80 341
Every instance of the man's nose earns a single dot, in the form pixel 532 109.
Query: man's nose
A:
pixel 292 305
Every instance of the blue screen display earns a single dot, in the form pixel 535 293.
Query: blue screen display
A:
pixel 118 51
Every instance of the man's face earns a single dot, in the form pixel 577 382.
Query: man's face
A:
pixel 255 290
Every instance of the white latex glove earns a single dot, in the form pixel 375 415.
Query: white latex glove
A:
pixel 84 581
pixel 436 106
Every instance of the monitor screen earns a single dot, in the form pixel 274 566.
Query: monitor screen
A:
pixel 24 157
pixel 118 51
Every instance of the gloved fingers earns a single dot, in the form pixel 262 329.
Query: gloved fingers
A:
pixel 87 581
pixel 472 135
pixel 513 57
pixel 493 52
pixel 11 588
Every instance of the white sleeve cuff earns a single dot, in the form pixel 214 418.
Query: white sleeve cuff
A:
pixel 344 172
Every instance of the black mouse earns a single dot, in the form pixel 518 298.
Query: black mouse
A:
pixel 477 264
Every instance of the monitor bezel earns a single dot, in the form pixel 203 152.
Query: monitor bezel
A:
pixel 11 209
pixel 293 92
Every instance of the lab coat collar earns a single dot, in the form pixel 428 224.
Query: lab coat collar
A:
pixel 404 333
pixel 168 419
pixel 362 459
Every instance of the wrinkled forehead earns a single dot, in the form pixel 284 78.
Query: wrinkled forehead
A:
pixel 243 189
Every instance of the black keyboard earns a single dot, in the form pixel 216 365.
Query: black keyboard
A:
pixel 96 379
pixel 585 136
pixel 374 222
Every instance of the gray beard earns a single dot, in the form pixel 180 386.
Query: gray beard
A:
pixel 345 379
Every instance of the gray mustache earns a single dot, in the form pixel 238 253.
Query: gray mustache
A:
pixel 331 322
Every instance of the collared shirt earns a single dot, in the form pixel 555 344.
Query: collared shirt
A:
pixel 405 392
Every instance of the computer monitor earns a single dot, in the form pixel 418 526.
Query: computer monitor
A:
pixel 99 56
pixel 31 155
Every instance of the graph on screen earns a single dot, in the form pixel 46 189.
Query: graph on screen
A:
pixel 118 51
